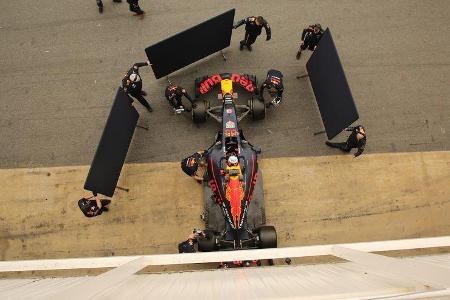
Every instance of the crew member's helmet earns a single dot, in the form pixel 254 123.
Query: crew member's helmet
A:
pixel 232 160
pixel 135 77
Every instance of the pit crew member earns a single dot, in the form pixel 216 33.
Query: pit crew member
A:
pixel 274 84
pixel 190 165
pixel 174 94
pixel 253 27
pixel 310 38
pixel 132 84
pixel 357 139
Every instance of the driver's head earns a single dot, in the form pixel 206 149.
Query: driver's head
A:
pixel 135 77
pixel 232 160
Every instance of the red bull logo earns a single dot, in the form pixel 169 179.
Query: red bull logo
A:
pixel 206 85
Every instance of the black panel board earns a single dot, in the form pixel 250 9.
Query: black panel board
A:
pixel 113 147
pixel 191 45
pixel 333 95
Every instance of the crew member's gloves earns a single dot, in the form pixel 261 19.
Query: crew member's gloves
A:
pixel 276 101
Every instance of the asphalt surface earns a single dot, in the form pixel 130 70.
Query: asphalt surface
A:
pixel 61 63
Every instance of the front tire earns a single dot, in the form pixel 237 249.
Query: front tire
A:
pixel 199 114
pixel 258 109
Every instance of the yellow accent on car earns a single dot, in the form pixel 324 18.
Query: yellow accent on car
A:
pixel 226 86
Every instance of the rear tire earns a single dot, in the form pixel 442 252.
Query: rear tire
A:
pixel 267 237
pixel 199 114
pixel 257 108
pixel 208 242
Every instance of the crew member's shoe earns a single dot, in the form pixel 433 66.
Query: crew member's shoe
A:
pixel 117 1
pixel 249 47
pixel 179 110
pixel 100 6
pixel 299 53
pixel 241 47
pixel 140 11
pixel 136 9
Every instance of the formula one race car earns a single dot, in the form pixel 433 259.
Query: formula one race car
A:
pixel 227 81
pixel 232 177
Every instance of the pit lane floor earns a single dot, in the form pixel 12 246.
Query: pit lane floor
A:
pixel 312 200
pixel 62 62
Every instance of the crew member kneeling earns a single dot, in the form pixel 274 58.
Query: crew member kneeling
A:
pixel 190 165
pixel 357 139
pixel 274 84
pixel 174 94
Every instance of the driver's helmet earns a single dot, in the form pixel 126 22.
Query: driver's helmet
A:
pixel 135 77
pixel 233 160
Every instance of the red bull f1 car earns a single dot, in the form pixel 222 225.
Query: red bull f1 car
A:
pixel 232 175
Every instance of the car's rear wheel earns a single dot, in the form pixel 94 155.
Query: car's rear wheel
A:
pixel 199 114
pixel 207 243
pixel 267 236
pixel 257 108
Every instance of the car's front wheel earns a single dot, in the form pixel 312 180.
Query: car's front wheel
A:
pixel 199 114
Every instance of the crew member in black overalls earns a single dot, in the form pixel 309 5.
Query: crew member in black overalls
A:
pixel 357 139
pixel 190 164
pixel 188 245
pixel 310 38
pixel 93 208
pixel 253 27
pixel 174 94
pixel 132 84
pixel 100 5
pixel 274 84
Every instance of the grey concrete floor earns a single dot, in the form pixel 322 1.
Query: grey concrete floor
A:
pixel 61 63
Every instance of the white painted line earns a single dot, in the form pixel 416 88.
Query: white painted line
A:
pixel 205 257
pixel 427 275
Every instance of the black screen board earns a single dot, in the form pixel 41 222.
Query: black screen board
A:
pixel 113 147
pixel 191 45
pixel 333 95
